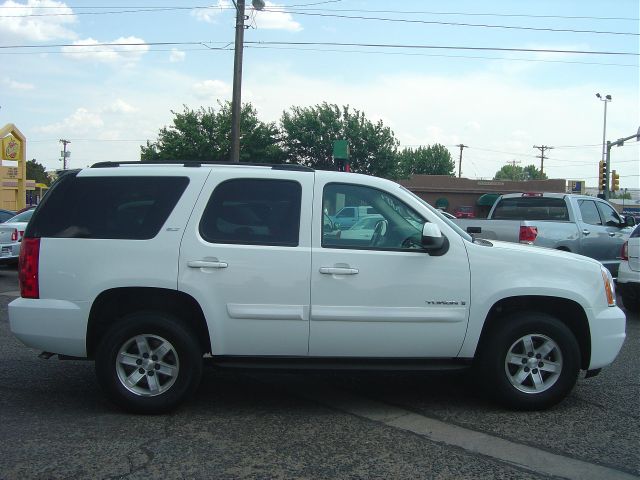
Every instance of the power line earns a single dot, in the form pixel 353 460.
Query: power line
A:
pixel 448 47
pixel 330 44
pixel 406 12
pixel 473 57
pixel 454 24
pixel 286 9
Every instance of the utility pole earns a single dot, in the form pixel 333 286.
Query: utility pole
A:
pixel 236 100
pixel 542 148
pixel 64 152
pixel 461 146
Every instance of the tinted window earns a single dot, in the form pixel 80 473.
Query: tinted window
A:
pixel 107 207
pixel 531 208
pixel 609 215
pixel 396 226
pixel 346 213
pixel 589 212
pixel 253 212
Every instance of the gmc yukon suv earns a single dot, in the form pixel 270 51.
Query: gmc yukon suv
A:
pixel 147 268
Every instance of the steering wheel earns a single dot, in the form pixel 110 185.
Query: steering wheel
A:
pixel 411 243
pixel 378 233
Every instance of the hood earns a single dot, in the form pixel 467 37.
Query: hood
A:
pixel 531 250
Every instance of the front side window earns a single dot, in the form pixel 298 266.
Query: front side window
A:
pixel 609 215
pixel 589 212
pixel 389 225
pixel 253 212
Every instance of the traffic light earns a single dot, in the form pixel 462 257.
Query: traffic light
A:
pixel 602 176
pixel 615 181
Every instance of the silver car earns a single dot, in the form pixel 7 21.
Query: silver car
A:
pixel 11 233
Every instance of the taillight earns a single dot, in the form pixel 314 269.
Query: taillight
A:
pixel 28 268
pixel 624 253
pixel 528 234
pixel 14 235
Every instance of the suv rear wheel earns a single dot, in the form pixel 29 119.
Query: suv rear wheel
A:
pixel 530 361
pixel 148 362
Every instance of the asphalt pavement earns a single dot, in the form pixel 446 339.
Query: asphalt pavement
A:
pixel 55 423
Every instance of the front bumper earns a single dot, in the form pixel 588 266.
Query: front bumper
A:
pixel 607 336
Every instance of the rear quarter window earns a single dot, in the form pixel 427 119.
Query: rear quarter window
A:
pixel 132 208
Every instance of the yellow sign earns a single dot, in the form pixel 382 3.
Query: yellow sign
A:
pixel 11 148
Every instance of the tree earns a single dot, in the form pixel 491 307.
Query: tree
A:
pixel 519 174
pixel 431 160
pixel 37 172
pixel 205 135
pixel 308 135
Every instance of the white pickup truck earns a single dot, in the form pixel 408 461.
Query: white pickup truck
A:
pixel 147 268
pixel 574 223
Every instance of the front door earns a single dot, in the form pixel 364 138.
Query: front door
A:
pixel 246 257
pixel 382 296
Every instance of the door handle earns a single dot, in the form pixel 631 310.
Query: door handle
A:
pixel 206 264
pixel 612 234
pixel 585 232
pixel 338 271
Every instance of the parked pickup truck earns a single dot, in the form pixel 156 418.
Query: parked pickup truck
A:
pixel 574 223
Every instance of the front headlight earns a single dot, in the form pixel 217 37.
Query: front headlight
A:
pixel 609 287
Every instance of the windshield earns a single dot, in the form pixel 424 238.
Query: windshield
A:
pixel 457 229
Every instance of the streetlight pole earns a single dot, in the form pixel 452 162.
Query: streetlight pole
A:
pixel 606 99
pixel 236 100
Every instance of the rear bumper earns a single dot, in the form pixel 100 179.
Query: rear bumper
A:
pixel 56 326
pixel 607 336
pixel 9 253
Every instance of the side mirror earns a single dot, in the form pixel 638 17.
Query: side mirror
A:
pixel 629 221
pixel 433 242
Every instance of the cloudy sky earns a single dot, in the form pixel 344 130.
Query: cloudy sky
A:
pixel 507 75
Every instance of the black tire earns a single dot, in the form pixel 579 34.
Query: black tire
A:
pixel 631 298
pixel 167 381
pixel 539 387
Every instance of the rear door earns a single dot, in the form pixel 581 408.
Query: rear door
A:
pixel 246 258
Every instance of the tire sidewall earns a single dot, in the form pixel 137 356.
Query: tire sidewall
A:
pixel 497 347
pixel 155 323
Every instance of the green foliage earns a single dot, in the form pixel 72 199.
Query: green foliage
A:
pixel 620 195
pixel 308 135
pixel 431 160
pixel 518 173
pixel 205 135
pixel 37 172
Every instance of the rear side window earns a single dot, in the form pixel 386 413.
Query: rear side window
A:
pixel 253 212
pixel 531 208
pixel 589 212
pixel 133 208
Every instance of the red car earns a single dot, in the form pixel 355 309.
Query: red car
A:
pixel 464 212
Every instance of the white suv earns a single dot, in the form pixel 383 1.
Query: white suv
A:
pixel 147 268
pixel 629 272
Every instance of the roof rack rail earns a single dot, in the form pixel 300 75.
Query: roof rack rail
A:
pixel 198 163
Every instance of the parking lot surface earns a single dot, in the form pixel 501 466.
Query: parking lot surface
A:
pixel 55 423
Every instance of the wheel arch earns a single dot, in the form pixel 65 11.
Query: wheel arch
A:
pixel 567 311
pixel 117 302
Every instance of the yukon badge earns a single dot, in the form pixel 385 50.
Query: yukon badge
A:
pixel 444 302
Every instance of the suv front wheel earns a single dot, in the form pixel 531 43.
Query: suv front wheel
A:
pixel 148 362
pixel 530 361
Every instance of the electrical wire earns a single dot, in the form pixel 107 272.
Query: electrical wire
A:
pixel 454 24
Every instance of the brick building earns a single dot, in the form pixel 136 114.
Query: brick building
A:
pixel 448 193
